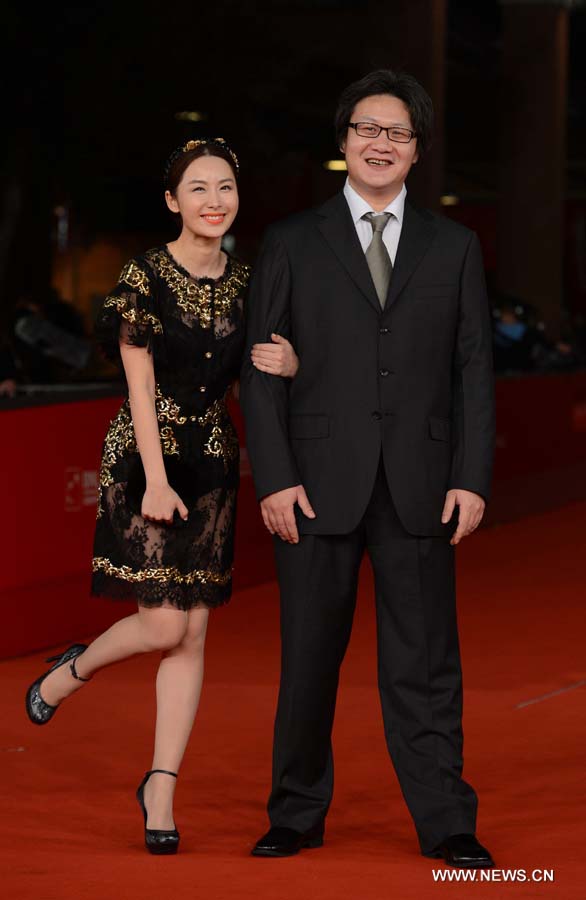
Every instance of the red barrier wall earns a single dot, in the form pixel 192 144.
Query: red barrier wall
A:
pixel 541 423
pixel 49 457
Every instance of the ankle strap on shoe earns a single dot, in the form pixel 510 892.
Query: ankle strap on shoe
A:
pixel 162 772
pixel 74 671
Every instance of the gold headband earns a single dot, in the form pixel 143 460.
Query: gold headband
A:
pixel 191 145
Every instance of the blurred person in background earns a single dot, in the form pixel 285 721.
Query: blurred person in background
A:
pixel 520 343
pixel 49 339
pixel 8 369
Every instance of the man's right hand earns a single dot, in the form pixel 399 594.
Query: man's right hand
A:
pixel 278 515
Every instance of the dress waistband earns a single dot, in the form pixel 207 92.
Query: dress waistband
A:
pixel 168 410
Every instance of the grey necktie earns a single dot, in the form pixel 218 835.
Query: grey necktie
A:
pixel 377 257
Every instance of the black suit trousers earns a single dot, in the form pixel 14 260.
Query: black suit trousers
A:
pixel 419 672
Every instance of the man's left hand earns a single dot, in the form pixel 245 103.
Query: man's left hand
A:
pixel 470 513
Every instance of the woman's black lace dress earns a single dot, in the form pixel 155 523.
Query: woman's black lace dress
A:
pixel 194 329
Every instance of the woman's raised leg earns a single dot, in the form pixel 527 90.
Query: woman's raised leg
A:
pixel 161 628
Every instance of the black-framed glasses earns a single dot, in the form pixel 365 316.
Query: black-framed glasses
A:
pixel 395 133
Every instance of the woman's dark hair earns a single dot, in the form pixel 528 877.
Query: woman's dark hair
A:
pixel 183 156
pixel 397 84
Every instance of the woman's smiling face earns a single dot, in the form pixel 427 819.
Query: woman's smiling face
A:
pixel 206 197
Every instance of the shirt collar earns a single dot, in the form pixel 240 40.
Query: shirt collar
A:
pixel 359 206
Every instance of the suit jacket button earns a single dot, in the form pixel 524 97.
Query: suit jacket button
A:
pixel 209 354
pixel 383 330
pixel 376 416
pixel 384 373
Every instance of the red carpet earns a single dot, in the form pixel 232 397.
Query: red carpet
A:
pixel 72 828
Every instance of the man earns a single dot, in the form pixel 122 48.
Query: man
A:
pixel 386 429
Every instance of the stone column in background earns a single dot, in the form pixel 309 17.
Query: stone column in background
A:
pixel 411 35
pixel 533 155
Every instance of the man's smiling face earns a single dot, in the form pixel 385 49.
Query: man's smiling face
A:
pixel 378 166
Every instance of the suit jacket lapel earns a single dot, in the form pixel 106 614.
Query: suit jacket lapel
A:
pixel 417 234
pixel 338 229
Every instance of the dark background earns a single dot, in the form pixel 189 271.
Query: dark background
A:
pixel 91 97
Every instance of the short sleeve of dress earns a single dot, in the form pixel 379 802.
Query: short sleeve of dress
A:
pixel 129 313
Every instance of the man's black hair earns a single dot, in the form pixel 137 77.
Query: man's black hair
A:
pixel 398 84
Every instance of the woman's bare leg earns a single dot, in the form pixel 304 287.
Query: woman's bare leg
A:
pixel 149 629
pixel 179 682
pixel 181 637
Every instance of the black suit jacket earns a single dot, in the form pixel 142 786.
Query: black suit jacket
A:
pixel 416 379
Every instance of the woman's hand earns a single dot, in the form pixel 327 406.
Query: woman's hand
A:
pixel 160 502
pixel 278 358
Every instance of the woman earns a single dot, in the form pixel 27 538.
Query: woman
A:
pixel 169 471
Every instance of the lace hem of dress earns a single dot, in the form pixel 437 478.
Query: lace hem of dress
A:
pixel 160 587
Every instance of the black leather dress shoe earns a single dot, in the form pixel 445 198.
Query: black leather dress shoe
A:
pixel 287 842
pixel 463 850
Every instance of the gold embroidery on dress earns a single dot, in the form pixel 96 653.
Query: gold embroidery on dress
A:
pixel 120 438
pixel 134 276
pixel 162 573
pixel 196 298
pixel 132 314
pixel 222 442
pixel 169 441
pixel 167 409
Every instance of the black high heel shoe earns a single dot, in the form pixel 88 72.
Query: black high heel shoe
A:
pixel 38 711
pixel 157 840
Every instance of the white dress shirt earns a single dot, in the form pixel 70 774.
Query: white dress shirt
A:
pixel 392 232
